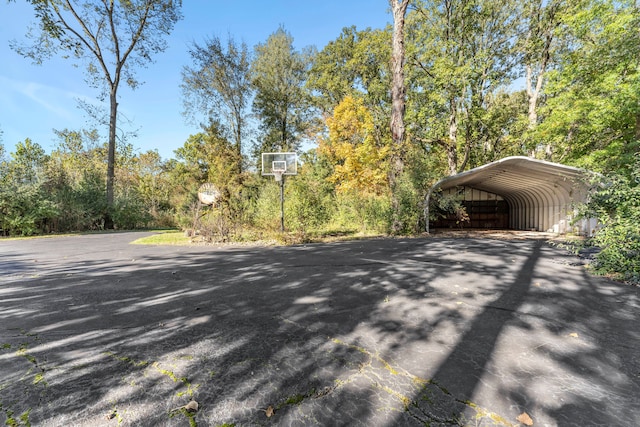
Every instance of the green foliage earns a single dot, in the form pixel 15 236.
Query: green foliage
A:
pixel 65 191
pixel 82 204
pixel 22 420
pixel 282 102
pixel 209 157
pixel 130 213
pixel 462 54
pixel 442 205
pixel 417 177
pixel 219 85
pixel 266 212
pixel 308 201
pixel 592 115
pixel 25 211
pixel 355 64
pixel 154 189
pixel 616 206
pixel 365 213
pixel 25 205
pixel 501 126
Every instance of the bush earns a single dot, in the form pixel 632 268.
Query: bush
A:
pixel 307 207
pixel 421 170
pixel 83 205
pixel 130 213
pixel 26 211
pixel 365 212
pixel 616 206
pixel 266 212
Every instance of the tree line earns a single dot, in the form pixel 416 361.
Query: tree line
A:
pixel 479 80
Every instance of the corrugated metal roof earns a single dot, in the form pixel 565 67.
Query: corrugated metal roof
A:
pixel 541 195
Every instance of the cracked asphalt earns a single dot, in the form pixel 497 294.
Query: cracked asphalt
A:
pixel 442 331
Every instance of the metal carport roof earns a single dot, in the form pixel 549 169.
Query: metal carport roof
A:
pixel 541 195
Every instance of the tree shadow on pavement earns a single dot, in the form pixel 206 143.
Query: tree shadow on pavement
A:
pixel 466 365
pixel 371 333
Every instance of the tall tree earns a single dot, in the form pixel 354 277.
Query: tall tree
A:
pixel 398 95
pixel 355 64
pixel 281 102
pixel 592 111
pixel 219 84
pixel 461 52
pixel 153 183
pixel 27 162
pixel 111 38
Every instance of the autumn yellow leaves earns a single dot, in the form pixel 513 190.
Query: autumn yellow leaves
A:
pixel 360 158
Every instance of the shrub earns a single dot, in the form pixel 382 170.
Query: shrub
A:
pixel 266 213
pixel 26 211
pixel 616 206
pixel 130 213
pixel 307 206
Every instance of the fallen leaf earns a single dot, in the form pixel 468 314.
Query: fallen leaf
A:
pixel 191 406
pixel 573 335
pixel 525 419
pixel 269 411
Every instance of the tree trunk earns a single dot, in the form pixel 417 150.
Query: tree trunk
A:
pixel 533 93
pixel 452 146
pixel 398 93
pixel 398 90
pixel 239 144
pixel 541 26
pixel 111 157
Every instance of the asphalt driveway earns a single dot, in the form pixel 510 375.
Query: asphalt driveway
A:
pixel 95 331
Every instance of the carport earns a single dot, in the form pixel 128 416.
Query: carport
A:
pixel 520 193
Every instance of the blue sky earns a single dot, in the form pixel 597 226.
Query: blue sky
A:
pixel 34 100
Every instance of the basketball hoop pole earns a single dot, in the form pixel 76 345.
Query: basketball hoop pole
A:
pixel 282 203
pixel 279 177
pixel 279 165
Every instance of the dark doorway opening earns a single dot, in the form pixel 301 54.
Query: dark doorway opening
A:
pixel 484 214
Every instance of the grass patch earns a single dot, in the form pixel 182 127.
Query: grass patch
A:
pixel 167 237
pixel 84 233
pixel 245 236
pixel 295 399
pixel 38 236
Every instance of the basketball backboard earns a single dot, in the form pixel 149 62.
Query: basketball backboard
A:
pixel 208 194
pixel 275 163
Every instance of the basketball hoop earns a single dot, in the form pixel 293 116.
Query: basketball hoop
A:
pixel 278 168
pixel 279 165
pixel 208 194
